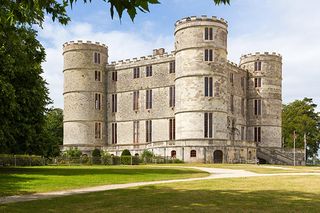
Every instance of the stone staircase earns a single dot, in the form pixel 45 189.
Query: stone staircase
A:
pixel 275 155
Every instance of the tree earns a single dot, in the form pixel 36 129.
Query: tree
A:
pixel 53 132
pixel 301 116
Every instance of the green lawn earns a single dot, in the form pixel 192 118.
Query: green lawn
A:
pixel 23 180
pixel 254 194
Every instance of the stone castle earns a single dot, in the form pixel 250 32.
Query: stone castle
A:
pixel 191 104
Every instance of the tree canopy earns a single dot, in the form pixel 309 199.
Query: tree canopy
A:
pixel 301 116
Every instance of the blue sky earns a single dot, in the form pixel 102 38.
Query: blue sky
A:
pixel 289 27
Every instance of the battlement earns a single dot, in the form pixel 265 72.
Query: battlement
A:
pixel 260 54
pixel 143 58
pixel 80 42
pixel 201 18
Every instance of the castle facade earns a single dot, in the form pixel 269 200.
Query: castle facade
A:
pixel 191 104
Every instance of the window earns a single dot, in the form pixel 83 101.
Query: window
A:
pixel 257 107
pixel 114 76
pixel 208 33
pixel 208 90
pixel 172 96
pixel 114 135
pixel 148 70
pixel 97 75
pixel 136 100
pixel 208 125
pixel 208 55
pixel 257 134
pixel 193 153
pixel 97 130
pixel 243 133
pixel 172 129
pixel 231 78
pixel 242 83
pixel 231 103
pixel 97 58
pixel 148 131
pixel 216 89
pixel 173 154
pixel 257 65
pixel 97 101
pixel 136 72
pixel 172 67
pixel 257 82
pixel 149 99
pixel 242 106
pixel 114 103
pixel 135 131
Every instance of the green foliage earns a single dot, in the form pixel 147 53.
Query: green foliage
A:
pixel 21 160
pixel 73 153
pixel 147 156
pixel 300 116
pixel 53 132
pixel 96 156
pixel 126 152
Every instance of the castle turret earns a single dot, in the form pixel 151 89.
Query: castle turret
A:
pixel 264 97
pixel 201 81
pixel 84 94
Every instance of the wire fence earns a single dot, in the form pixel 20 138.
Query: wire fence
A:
pixel 25 160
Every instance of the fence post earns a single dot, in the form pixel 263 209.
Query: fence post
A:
pixel 15 160
pixel 131 160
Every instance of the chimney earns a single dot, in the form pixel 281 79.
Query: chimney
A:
pixel 159 51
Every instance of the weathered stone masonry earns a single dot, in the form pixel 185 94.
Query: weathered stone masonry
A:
pixel 222 112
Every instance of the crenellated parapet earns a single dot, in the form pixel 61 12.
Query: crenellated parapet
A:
pixel 201 19
pixel 144 59
pixel 80 42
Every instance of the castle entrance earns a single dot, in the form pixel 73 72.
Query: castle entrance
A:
pixel 217 156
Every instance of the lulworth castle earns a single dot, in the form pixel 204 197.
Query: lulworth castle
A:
pixel 191 104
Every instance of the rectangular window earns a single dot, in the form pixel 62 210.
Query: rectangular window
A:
pixel 114 135
pixel 208 33
pixel 242 83
pixel 135 131
pixel 114 76
pixel 97 75
pixel 97 101
pixel 208 55
pixel 257 107
pixel 97 130
pixel 136 100
pixel 231 78
pixel 242 106
pixel 149 99
pixel 136 72
pixel 97 58
pixel 172 129
pixel 257 134
pixel 257 65
pixel 216 89
pixel 231 103
pixel 148 131
pixel 114 102
pixel 148 70
pixel 172 96
pixel 243 133
pixel 257 82
pixel 172 67
pixel 208 125
pixel 208 87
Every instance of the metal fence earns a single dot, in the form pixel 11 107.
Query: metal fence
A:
pixel 16 160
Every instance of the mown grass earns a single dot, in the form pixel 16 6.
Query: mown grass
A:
pixel 24 180
pixel 254 194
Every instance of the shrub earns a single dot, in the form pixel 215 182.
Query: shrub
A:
pixel 116 160
pixel 135 160
pixel 147 156
pixel 126 160
pixel 21 160
pixel 96 156
pixel 125 153
pixel 73 153
pixel 106 158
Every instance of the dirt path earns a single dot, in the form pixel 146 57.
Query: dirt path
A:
pixel 215 173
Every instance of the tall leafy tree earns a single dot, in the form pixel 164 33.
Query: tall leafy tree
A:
pixel 301 116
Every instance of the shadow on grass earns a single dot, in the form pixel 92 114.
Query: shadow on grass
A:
pixel 13 185
pixel 166 199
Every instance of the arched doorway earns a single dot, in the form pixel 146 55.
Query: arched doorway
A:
pixel 217 156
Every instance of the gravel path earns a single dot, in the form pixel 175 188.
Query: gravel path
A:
pixel 215 173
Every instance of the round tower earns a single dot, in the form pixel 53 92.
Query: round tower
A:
pixel 201 80
pixel 264 97
pixel 84 94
